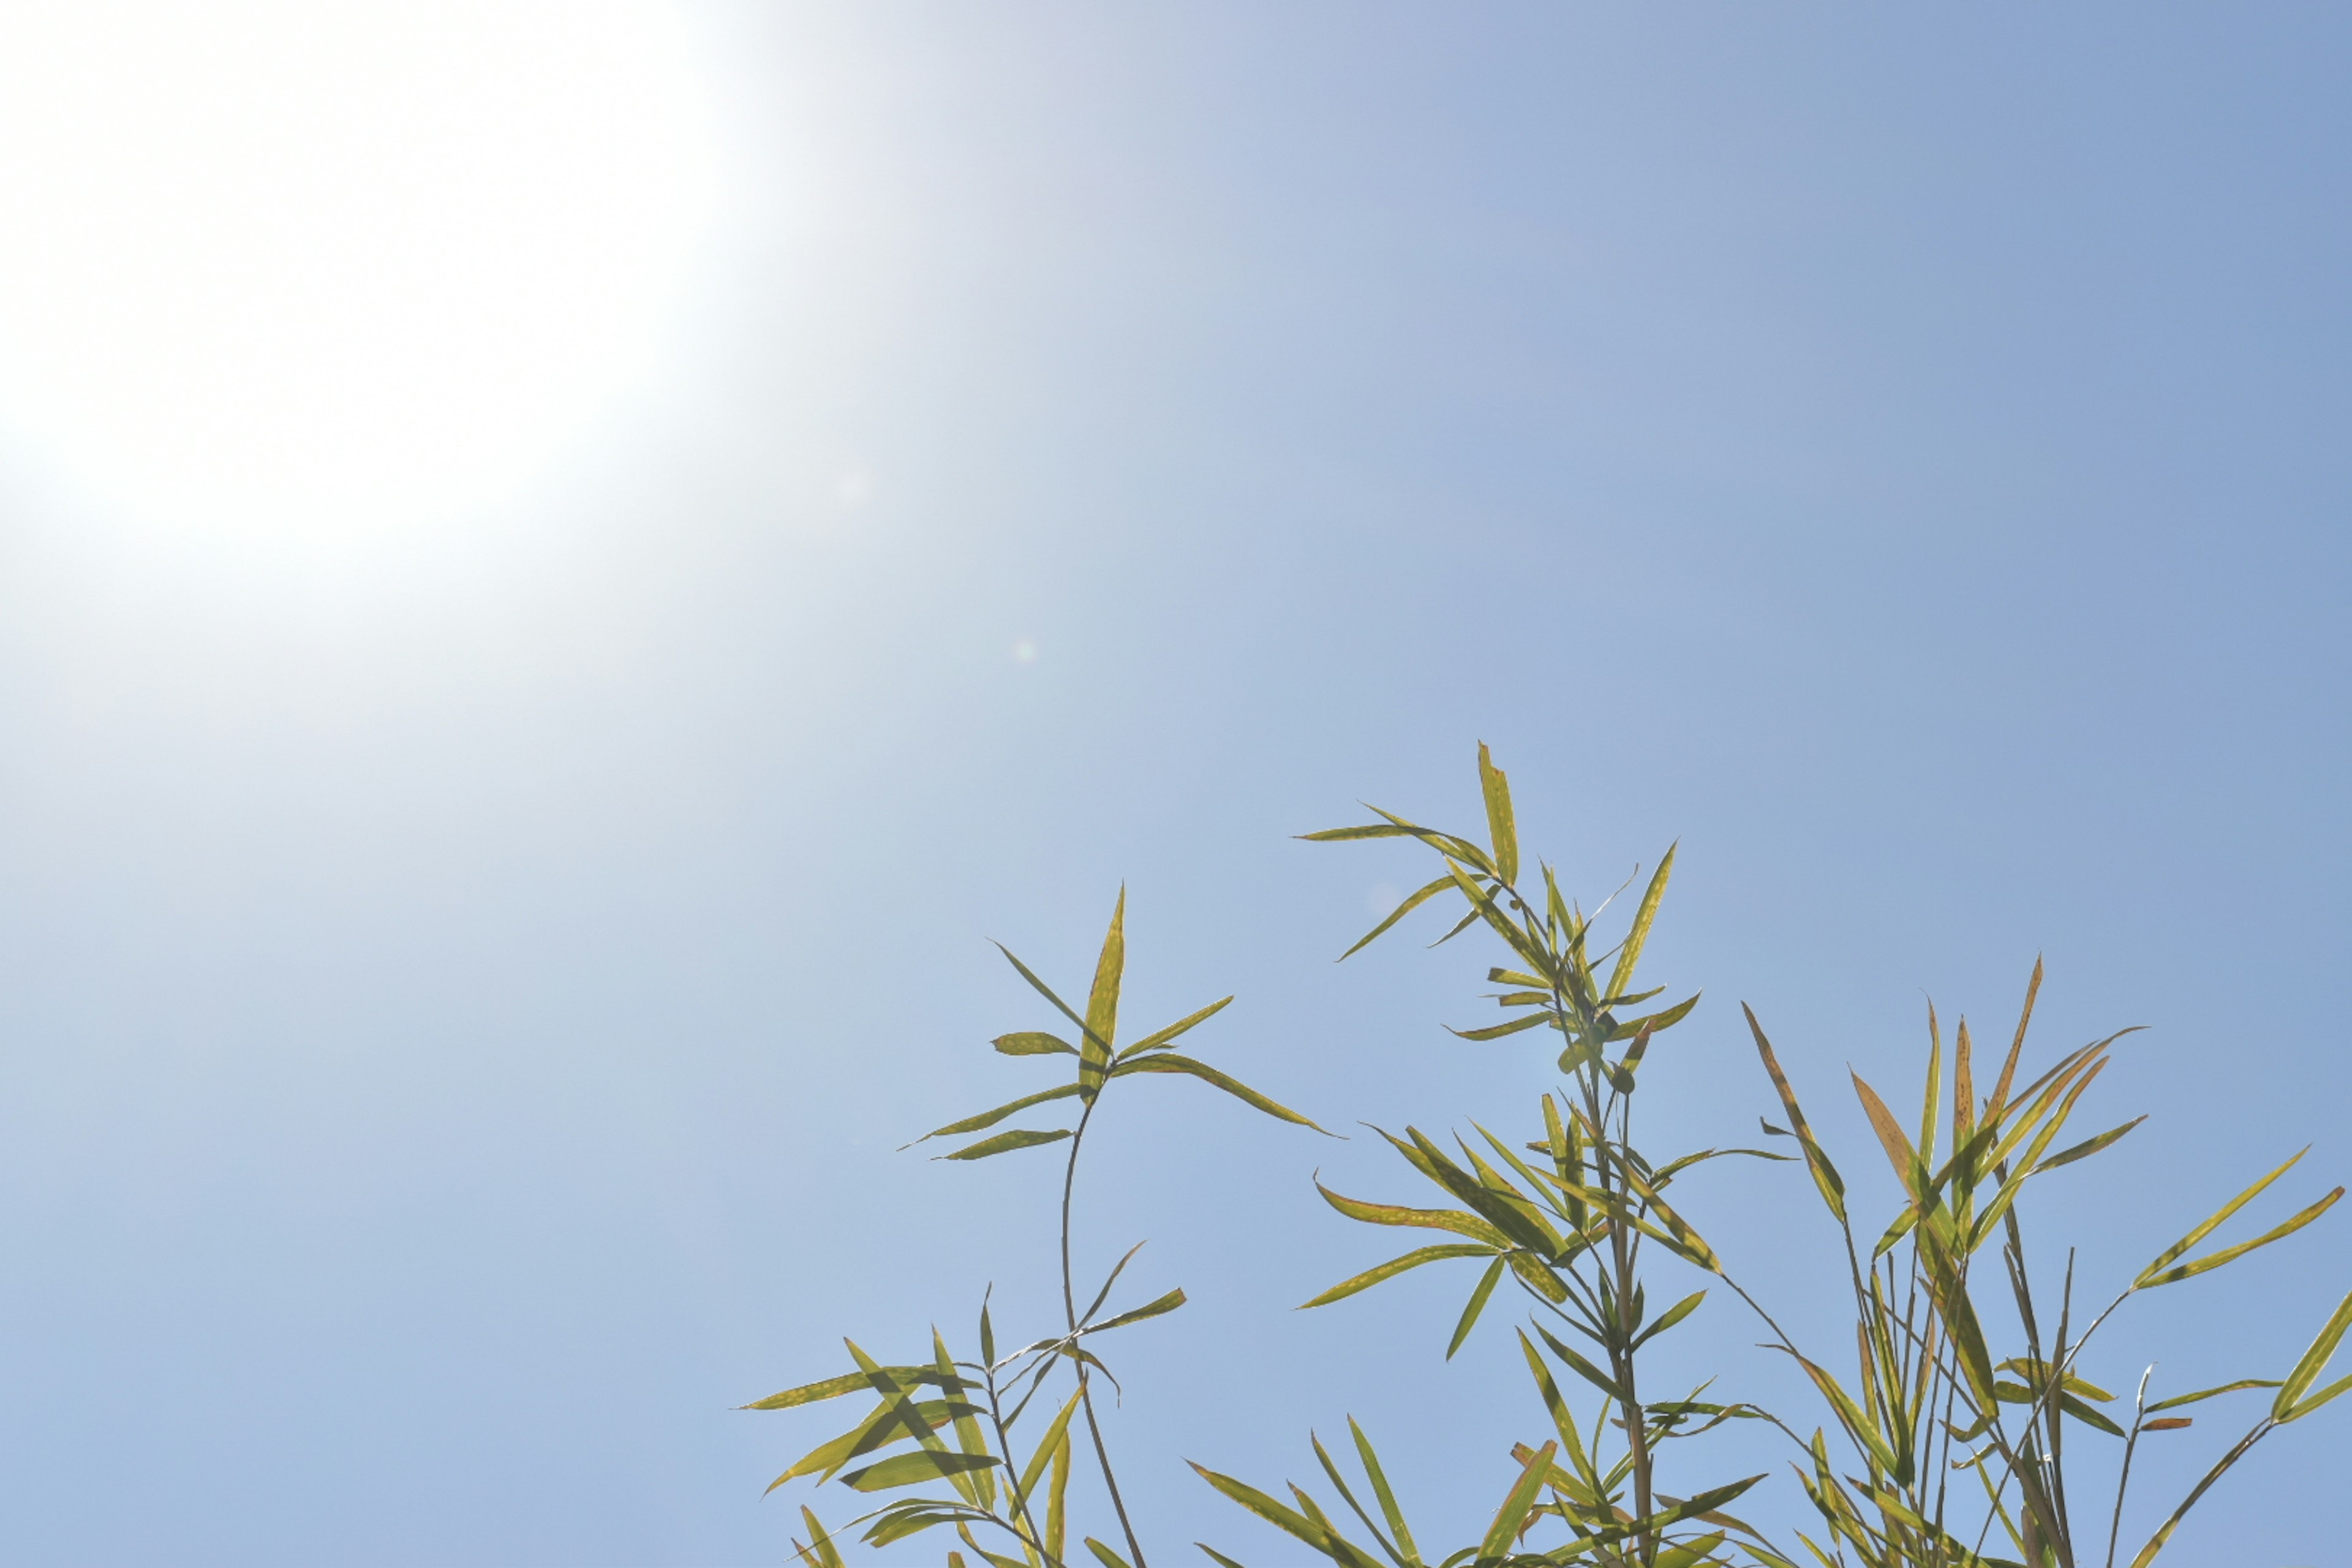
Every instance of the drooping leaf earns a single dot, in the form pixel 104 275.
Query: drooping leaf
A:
pixel 1006 1143
pixel 1169 1061
pixel 991 1118
pixel 1460 1224
pixel 1394 1266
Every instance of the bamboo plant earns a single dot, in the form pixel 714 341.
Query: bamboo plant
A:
pixel 1938 1450
pixel 1013 1494
pixel 1947 1441
pixel 1570 1229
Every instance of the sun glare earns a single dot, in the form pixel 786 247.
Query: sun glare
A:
pixel 266 262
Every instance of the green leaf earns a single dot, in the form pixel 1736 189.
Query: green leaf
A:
pixel 1476 1305
pixel 1497 1031
pixel 820 1553
pixel 1502 829
pixel 1102 1004
pixel 1389 1510
pixel 1154 1042
pixel 2179 1399
pixel 1289 1521
pixel 1219 1558
pixel 1038 985
pixel 1104 1554
pixel 1006 1143
pixel 1518 1504
pixel 1169 1061
pixel 1825 1177
pixel 834 1387
pixel 1164 1304
pixel 1460 1224
pixel 908 1470
pixel 2290 1403
pixel 1031 1043
pixel 2087 1147
pixel 1628 951
pixel 1394 1266
pixel 2162 1272
pixel 1669 1318
pixel 991 1118
pixel 1411 902
pixel 1046 1445
pixel 1584 1369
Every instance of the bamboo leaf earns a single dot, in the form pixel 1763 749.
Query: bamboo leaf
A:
pixel 1102 1004
pixel 1453 1220
pixel 1154 1308
pixel 2290 1404
pixel 1584 1369
pixel 1891 1137
pixel 1502 828
pixel 1033 1042
pixel 1169 1061
pixel 908 1470
pixel 2087 1147
pixel 1389 1510
pixel 1046 1446
pixel 2180 1399
pixel 820 1553
pixel 1518 1504
pixel 1628 951
pixel 1394 1266
pixel 1670 1317
pixel 847 1382
pixel 1155 1041
pixel 2154 1273
pixel 1104 1554
pixel 1006 1143
pixel 1825 1177
pixel 1497 1031
pixel 991 1118
pixel 1476 1305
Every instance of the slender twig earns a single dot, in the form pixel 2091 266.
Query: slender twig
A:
pixel 1070 1313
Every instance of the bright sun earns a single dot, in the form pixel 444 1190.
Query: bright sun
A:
pixel 276 261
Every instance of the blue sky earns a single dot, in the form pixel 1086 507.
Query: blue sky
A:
pixel 463 985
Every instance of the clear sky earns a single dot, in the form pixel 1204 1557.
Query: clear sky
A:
pixel 475 922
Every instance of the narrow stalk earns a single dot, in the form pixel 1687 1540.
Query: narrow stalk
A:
pixel 2139 1413
pixel 1029 1531
pixel 1070 1315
